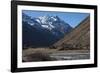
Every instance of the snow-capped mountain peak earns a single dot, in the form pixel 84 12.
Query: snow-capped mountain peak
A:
pixel 52 27
pixel 47 21
pixel 51 23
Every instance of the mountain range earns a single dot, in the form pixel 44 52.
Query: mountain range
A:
pixel 43 31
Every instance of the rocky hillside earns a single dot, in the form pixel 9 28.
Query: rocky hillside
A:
pixel 78 38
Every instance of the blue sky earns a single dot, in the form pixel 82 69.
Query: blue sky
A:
pixel 72 18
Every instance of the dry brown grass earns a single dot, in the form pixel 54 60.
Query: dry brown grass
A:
pixel 32 50
pixel 43 54
pixel 37 54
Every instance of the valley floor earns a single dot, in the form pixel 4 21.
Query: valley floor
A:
pixel 44 54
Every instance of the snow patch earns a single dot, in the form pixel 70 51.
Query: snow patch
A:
pixel 32 24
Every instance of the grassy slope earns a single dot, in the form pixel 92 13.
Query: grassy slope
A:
pixel 79 37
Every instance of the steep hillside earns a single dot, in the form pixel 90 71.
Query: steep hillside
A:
pixel 78 38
